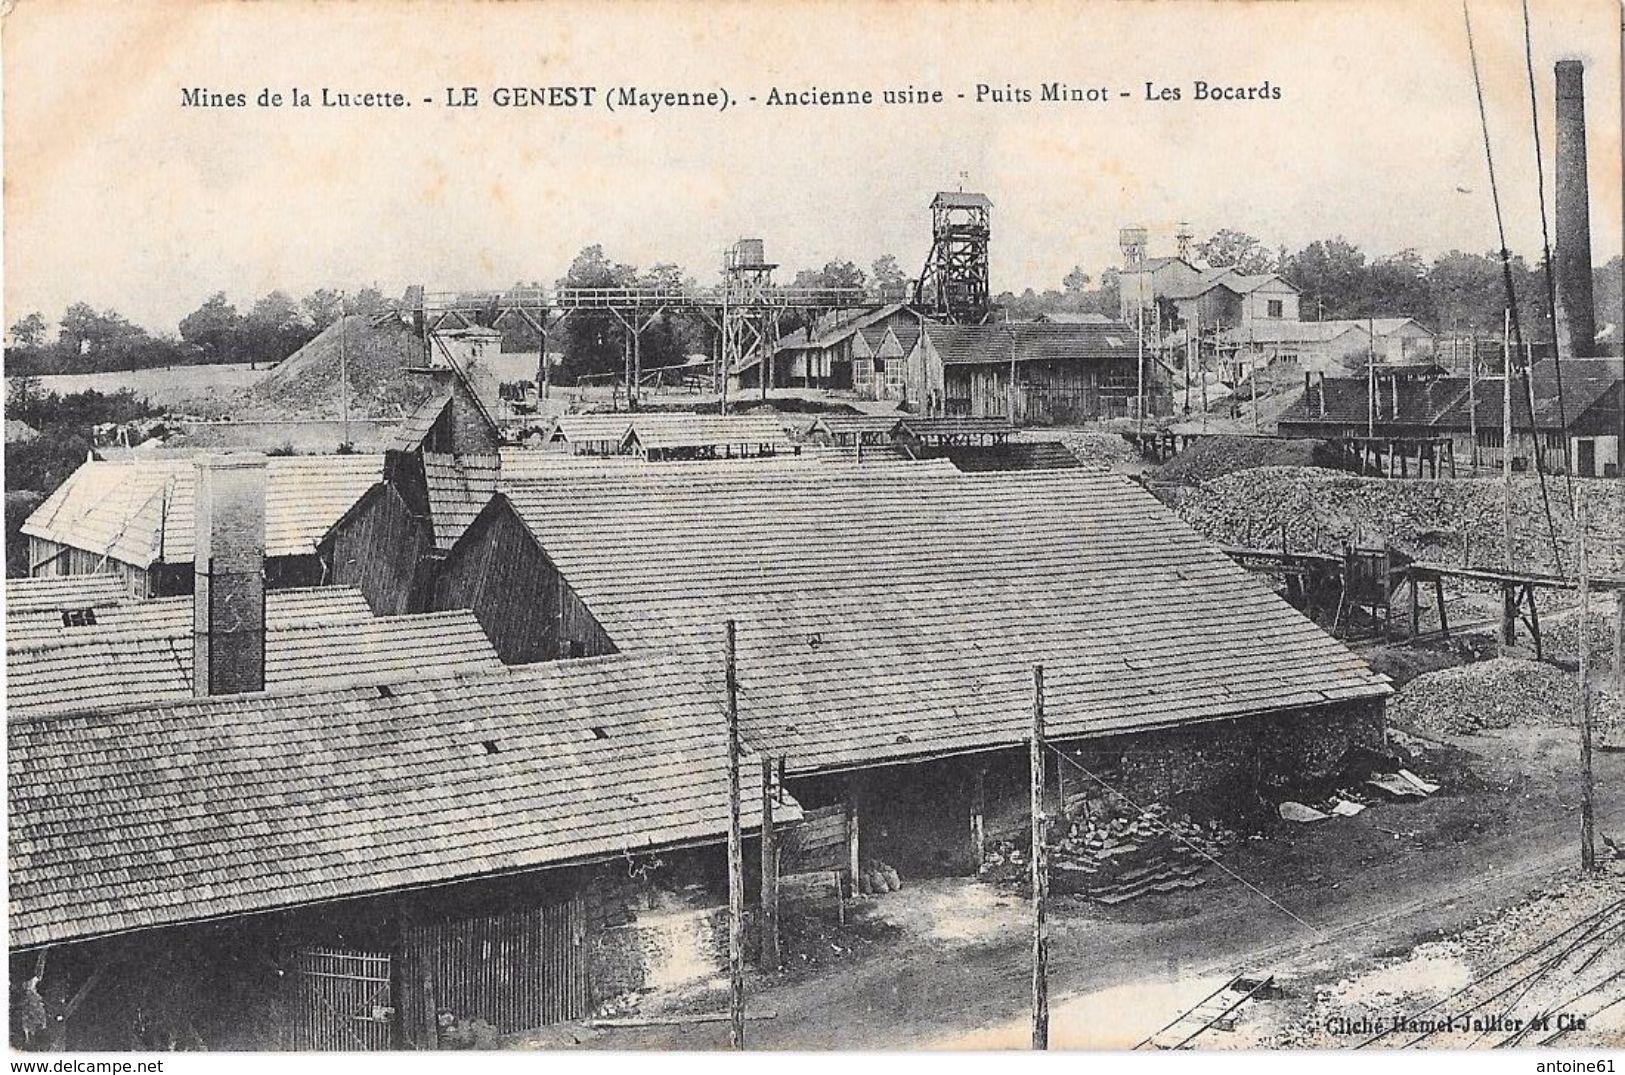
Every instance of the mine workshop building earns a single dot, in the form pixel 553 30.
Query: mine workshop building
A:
pixel 134 518
pixel 888 621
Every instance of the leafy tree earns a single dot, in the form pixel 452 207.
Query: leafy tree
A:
pixel 366 302
pixel 215 328
pixel 593 340
pixel 1076 282
pixel 1236 250
pixel 29 331
pixel 889 276
pixel 1610 295
pixel 322 307
pixel 274 328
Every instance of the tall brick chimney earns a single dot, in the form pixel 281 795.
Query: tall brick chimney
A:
pixel 228 562
pixel 1576 318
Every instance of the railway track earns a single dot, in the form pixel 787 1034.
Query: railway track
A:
pixel 1494 1010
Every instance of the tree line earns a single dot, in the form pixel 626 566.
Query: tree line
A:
pixel 1453 292
pixel 88 340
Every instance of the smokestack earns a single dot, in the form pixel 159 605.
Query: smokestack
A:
pixel 1576 319
pixel 228 571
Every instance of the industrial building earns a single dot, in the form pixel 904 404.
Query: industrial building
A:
pixel 1414 406
pixel 134 518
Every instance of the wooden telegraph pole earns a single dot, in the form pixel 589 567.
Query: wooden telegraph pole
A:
pixel 1588 837
pixel 736 872
pixel 770 874
pixel 1040 870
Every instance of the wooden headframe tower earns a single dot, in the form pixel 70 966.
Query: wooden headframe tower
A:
pixel 954 283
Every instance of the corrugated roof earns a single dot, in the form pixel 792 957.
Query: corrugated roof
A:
pixel 56 593
pixel 459 487
pixel 141 511
pixel 95 668
pixel 183 812
pixel 1031 341
pixel 173 615
pixel 895 611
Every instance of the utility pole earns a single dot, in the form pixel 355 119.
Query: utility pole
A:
pixel 344 371
pixel 1472 407
pixel 1588 837
pixel 1139 423
pixel 1506 434
pixel 1201 369
pixel 1040 861
pixel 1370 386
pixel 736 872
pixel 770 874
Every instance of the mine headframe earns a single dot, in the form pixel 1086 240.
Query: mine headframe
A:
pixel 953 286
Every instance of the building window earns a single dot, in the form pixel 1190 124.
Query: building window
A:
pixel 1277 308
pixel 1554 440
pixel 1489 438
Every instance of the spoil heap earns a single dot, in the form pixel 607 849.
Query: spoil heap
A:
pixel 1500 693
pixel 307 384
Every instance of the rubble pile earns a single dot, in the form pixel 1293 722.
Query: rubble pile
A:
pixel 1427 519
pixel 1500 693
pixel 1214 457
pixel 1111 860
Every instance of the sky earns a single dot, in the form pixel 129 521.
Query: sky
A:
pixel 117 195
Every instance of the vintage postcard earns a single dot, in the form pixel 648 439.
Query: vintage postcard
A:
pixel 824 525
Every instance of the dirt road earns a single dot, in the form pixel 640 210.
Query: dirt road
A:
pixel 1362 887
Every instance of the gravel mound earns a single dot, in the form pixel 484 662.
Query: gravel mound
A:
pixel 1500 693
pixel 1214 457
pixel 1429 519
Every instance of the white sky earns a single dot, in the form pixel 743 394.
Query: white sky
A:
pixel 118 196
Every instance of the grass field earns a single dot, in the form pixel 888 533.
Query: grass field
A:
pixel 165 387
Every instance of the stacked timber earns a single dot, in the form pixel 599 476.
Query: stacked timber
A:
pixel 1113 860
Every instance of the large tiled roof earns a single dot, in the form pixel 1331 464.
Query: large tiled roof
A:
pixel 57 593
pixel 142 511
pixel 895 612
pixel 1031 341
pixel 173 615
pixel 198 809
pixel 458 487
pixel 96 668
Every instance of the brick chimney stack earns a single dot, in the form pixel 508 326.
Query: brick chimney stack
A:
pixel 1576 318
pixel 228 601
